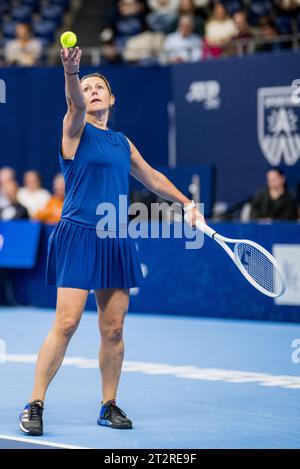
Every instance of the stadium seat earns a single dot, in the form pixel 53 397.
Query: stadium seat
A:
pixel 258 9
pixel 233 6
pixel 53 13
pixel 44 29
pixel 284 25
pixel 22 13
pixel 33 4
pixel 9 28
pixel 63 3
pixel 4 7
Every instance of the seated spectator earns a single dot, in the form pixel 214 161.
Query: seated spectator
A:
pixel 163 13
pixel 219 30
pixel 6 174
pixel 51 213
pixel 243 30
pixel 13 210
pixel 243 34
pixel 286 7
pixel 144 47
pixel 129 20
pixel 274 202
pixel 32 195
pixel 269 34
pixel 24 50
pixel 187 7
pixel 183 45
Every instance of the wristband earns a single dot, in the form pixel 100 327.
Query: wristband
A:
pixel 76 73
pixel 188 207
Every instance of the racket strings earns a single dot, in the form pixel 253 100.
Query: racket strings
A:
pixel 259 267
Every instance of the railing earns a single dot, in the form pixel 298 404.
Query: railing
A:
pixel 94 55
pixel 239 47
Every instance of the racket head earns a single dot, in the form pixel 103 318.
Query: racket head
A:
pixel 259 267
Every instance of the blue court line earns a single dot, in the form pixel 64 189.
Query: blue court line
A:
pixel 168 411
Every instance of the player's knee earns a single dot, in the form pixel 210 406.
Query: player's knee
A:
pixel 66 326
pixel 113 332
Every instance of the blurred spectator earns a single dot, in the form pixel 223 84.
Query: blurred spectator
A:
pixel 286 7
pixel 32 195
pixel 187 7
pixel 23 50
pixel 163 13
pixel 219 30
pixel 51 213
pixel 268 33
pixel 144 47
pixel 274 202
pixel 243 30
pixel 6 174
pixel 243 34
pixel 129 20
pixel 183 45
pixel 13 210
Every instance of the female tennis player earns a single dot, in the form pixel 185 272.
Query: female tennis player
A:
pixel 96 162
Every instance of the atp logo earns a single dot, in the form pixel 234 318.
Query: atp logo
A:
pixel 278 124
pixel 206 92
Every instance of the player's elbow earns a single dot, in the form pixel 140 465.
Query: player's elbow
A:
pixel 77 107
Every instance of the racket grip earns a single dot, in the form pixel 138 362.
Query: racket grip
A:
pixel 205 228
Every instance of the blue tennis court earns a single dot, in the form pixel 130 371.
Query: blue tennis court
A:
pixel 186 383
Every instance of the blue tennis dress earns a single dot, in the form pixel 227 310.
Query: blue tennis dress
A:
pixel 84 251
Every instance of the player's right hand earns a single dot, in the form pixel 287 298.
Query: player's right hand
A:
pixel 71 59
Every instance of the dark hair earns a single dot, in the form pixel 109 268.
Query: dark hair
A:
pixel 281 173
pixel 278 170
pixel 111 113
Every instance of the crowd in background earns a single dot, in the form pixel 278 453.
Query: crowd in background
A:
pixel 191 30
pixel 172 31
pixel 31 201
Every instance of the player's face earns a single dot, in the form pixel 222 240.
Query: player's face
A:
pixel 31 181
pixel 275 180
pixel 96 94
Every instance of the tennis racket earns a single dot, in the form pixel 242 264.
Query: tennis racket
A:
pixel 257 265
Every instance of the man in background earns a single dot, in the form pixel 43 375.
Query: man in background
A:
pixel 274 202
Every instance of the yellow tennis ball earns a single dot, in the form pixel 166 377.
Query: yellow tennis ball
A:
pixel 68 39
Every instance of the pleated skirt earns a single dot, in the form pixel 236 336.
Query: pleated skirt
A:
pixel 78 258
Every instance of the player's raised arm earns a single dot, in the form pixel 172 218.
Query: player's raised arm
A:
pixel 74 119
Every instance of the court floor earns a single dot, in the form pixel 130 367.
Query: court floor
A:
pixel 186 383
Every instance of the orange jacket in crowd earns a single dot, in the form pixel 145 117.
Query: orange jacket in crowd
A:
pixel 51 213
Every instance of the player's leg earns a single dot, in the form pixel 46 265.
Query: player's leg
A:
pixel 70 306
pixel 112 309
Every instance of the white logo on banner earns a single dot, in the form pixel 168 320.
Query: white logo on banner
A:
pixel 288 256
pixel 278 125
pixel 206 92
